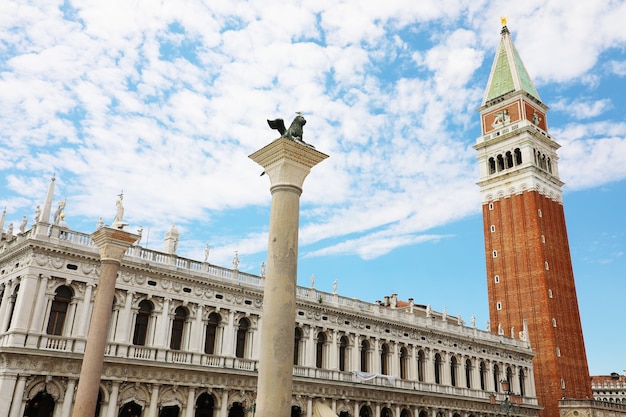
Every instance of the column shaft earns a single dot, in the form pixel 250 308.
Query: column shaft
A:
pixel 91 370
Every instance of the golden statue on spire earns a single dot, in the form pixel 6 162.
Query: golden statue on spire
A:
pixel 503 20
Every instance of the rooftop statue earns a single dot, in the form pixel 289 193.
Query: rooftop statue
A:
pixel 118 222
pixel 295 129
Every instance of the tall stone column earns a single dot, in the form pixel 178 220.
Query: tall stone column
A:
pixel 287 163
pixel 112 244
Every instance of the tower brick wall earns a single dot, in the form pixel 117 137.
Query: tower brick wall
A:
pixel 527 250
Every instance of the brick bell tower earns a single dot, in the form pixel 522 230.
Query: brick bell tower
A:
pixel 530 280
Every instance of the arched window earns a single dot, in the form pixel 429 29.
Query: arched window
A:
pixel 509 377
pixel 404 363
pixel 483 376
pixel 421 363
pixel 296 345
pixel 204 405
pixel 170 411
pixel 518 156
pixel 385 412
pixel 296 411
pixel 365 411
pixel 210 338
pixel 492 165
pixel 41 404
pixel 509 159
pixel 438 365
pixel 453 371
pixel 58 310
pixel 178 328
pixel 142 321
pixel 384 359
pixel 319 351
pixel 500 162
pixel 365 347
pixel 468 373
pixel 343 346
pixel 522 382
pixel 549 166
pixel 496 378
pixel 242 337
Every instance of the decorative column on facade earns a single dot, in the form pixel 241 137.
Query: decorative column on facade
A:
pixel 310 348
pixel 476 373
pixel 16 404
pixel 229 336
pixel 287 163
pixel 6 294
pixel 122 332
pixel 334 351
pixel 112 244
pixel 36 325
pixel 24 303
pixel 195 345
pixel 112 406
pixel 191 399
pixel 7 387
pixel 83 324
pixel 68 397
pixel 154 402
pixel 224 406
pixel 163 324
pixel 429 366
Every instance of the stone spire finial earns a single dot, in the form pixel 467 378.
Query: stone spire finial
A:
pixel 47 205
pixel 2 220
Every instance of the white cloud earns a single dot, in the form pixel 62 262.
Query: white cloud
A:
pixel 581 109
pixel 592 154
pixel 166 102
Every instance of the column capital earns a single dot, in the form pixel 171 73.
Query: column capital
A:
pixel 113 243
pixel 287 162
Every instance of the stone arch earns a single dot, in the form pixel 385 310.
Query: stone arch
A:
pixel 344 407
pixel 171 396
pixel 205 404
pixel 62 298
pixel 386 412
pixel 39 384
pixel 136 393
pixel 365 411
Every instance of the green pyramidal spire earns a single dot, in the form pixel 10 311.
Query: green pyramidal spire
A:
pixel 508 73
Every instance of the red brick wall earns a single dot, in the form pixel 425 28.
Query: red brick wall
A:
pixel 524 288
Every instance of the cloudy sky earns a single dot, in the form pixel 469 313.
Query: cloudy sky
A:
pixel 166 99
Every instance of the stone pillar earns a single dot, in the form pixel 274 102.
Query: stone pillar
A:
pixel 122 333
pixel 112 244
pixel 153 407
pixel 7 391
pixel 18 396
pixel 191 402
pixel 68 397
pixel 287 163
pixel 22 312
pixel 36 325
pixel 112 407
pixel 224 407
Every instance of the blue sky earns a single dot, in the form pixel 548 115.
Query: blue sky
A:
pixel 165 101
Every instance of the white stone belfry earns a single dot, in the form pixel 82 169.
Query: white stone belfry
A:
pixel 287 163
